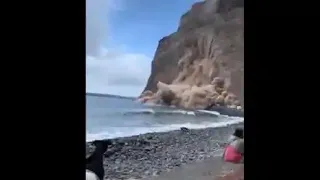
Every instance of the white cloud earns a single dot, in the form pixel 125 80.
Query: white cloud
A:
pixel 117 73
pixel 111 71
pixel 97 14
pixel 96 28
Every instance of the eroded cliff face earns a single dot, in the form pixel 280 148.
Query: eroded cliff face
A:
pixel 209 43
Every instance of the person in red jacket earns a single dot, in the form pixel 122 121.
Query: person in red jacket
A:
pixel 234 151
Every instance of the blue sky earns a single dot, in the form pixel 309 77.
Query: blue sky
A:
pixel 121 38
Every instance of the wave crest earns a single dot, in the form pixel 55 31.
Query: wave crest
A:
pixel 159 112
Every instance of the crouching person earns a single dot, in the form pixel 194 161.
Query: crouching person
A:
pixel 234 151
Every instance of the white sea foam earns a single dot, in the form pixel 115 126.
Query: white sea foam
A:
pixel 158 112
pixel 113 132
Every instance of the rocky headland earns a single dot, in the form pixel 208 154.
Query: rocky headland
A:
pixel 201 65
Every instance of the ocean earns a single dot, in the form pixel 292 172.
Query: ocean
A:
pixel 111 117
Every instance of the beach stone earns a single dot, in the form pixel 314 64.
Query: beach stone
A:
pixel 184 129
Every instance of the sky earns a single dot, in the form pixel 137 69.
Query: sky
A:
pixel 121 39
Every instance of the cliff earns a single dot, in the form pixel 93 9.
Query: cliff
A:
pixel 208 45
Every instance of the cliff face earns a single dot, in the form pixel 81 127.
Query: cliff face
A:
pixel 209 43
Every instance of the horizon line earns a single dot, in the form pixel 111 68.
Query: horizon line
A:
pixel 109 95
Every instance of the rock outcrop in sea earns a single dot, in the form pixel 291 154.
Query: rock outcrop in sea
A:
pixel 201 65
